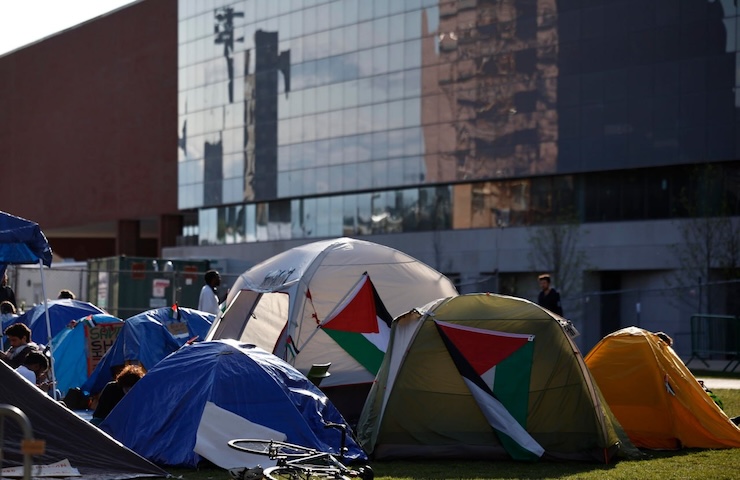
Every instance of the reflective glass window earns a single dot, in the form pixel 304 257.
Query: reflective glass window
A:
pixel 336 42
pixel 365 90
pixel 381 31
pixel 395 144
pixel 380 173
pixel 349 148
pixel 351 94
pixel 365 63
pixel 396 114
pixel 364 147
pixel 380 88
pixel 395 57
pixel 323 17
pixel 365 119
pixel 337 13
pixel 322 152
pixel 396 28
pixel 413 170
pixel 349 176
pixel 309 20
pixel 412 25
pixel 349 215
pixel 412 82
pixel 412 112
pixel 365 10
pixel 395 85
pixel 380 116
pixel 364 175
pixel 364 35
pixel 364 214
pixel 309 217
pixel 381 7
pixel 308 157
pixel 351 121
pixel 349 35
pixel 379 145
pixel 322 180
pixel 336 123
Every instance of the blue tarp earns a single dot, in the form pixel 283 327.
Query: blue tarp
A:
pixel 71 356
pixel 61 312
pixel 160 416
pixel 21 242
pixel 145 338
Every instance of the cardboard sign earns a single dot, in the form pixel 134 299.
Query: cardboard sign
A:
pixel 98 340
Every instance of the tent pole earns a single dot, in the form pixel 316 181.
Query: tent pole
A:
pixel 52 377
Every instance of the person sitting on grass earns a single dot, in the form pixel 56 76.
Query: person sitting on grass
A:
pixel 114 391
pixel 34 369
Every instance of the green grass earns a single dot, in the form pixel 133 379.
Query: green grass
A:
pixel 677 465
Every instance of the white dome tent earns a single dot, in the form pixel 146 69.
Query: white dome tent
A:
pixel 279 303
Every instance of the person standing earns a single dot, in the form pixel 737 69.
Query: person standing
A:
pixel 549 298
pixel 208 301
pixel 6 291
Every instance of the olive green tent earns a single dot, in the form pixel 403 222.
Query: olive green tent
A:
pixel 487 376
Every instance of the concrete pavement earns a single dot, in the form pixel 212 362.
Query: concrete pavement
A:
pixel 708 373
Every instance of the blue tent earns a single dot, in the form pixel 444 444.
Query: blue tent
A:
pixel 61 313
pixel 147 338
pixel 70 352
pixel 22 242
pixel 165 413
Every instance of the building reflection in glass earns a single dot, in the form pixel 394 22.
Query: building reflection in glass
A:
pixel 490 81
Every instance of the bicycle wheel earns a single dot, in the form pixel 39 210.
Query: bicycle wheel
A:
pixel 266 447
pixel 292 472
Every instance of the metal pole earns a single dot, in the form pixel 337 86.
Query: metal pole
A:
pixel 52 377
pixel 22 420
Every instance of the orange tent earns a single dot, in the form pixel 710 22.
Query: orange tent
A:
pixel 658 401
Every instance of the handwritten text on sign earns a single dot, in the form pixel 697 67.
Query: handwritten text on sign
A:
pixel 99 340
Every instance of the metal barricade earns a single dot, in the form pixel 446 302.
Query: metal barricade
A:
pixel 29 446
pixel 713 335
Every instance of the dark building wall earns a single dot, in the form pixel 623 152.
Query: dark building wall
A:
pixel 88 120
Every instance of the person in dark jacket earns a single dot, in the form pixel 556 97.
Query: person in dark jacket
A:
pixel 549 298
pixel 6 291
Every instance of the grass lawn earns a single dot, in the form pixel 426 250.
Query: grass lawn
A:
pixel 684 464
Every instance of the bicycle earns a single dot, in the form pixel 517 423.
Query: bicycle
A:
pixel 297 462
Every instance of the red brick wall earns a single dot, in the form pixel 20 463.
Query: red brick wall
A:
pixel 88 121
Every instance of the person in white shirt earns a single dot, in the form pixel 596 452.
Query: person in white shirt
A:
pixel 208 301
pixel 34 369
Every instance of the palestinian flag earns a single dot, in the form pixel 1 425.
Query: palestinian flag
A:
pixel 175 312
pixel 496 367
pixel 361 325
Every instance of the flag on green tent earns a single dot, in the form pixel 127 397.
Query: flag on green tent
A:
pixel 496 367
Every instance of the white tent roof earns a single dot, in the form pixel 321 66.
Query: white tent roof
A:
pixel 328 270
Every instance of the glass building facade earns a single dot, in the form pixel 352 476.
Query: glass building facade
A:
pixel 314 118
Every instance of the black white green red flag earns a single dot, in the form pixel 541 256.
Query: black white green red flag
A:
pixel 496 367
pixel 360 324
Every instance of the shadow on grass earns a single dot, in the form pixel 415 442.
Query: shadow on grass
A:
pixel 442 470
pixel 505 470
